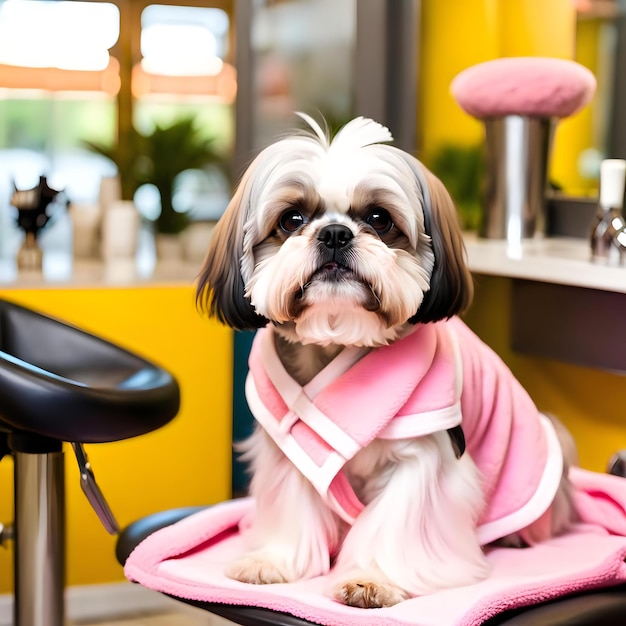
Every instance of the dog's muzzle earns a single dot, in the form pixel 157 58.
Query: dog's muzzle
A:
pixel 334 249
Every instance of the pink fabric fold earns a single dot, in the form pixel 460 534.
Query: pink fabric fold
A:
pixel 357 398
pixel 187 560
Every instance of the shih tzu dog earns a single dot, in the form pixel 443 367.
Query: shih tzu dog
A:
pixel 392 446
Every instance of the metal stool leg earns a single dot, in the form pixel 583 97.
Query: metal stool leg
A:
pixel 39 539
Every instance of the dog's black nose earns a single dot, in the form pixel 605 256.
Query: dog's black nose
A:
pixel 335 236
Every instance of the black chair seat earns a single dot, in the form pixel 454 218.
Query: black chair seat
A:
pixel 59 382
pixel 603 607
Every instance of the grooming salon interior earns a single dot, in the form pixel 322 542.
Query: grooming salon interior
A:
pixel 125 124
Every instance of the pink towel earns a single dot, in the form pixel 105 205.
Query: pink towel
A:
pixel 187 559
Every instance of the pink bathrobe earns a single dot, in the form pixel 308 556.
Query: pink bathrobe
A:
pixel 439 376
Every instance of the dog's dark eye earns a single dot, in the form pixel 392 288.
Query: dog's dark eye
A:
pixel 291 221
pixel 380 221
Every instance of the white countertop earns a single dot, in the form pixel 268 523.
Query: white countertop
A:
pixel 60 269
pixel 63 271
pixel 562 261
pixel 557 260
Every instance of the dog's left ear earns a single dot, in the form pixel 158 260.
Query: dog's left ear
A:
pixel 451 286
pixel 220 289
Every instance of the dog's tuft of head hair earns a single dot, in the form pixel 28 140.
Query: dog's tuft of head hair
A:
pixel 342 241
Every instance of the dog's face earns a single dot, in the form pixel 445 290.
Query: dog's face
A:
pixel 341 242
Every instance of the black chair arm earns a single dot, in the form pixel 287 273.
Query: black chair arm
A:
pixel 136 532
pixel 594 608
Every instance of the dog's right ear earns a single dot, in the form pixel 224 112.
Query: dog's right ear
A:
pixel 220 289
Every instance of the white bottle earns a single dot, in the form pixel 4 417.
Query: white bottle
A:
pixel 609 219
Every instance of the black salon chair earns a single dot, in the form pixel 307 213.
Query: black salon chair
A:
pixel 60 384
pixel 594 608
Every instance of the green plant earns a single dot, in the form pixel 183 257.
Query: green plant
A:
pixel 157 158
pixel 129 156
pixel 461 169
pixel 170 150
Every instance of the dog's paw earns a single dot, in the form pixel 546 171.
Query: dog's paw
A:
pixel 256 571
pixel 368 594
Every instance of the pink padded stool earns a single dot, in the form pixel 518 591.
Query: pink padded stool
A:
pixel 520 100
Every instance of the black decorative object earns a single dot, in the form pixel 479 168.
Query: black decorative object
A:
pixel 32 206
pixel 33 213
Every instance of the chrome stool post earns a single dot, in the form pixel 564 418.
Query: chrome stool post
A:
pixel 39 480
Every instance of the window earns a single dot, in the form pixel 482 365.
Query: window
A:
pixel 63 81
pixel 58 85
pixel 184 71
pixel 58 46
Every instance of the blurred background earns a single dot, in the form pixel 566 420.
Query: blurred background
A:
pixel 74 74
